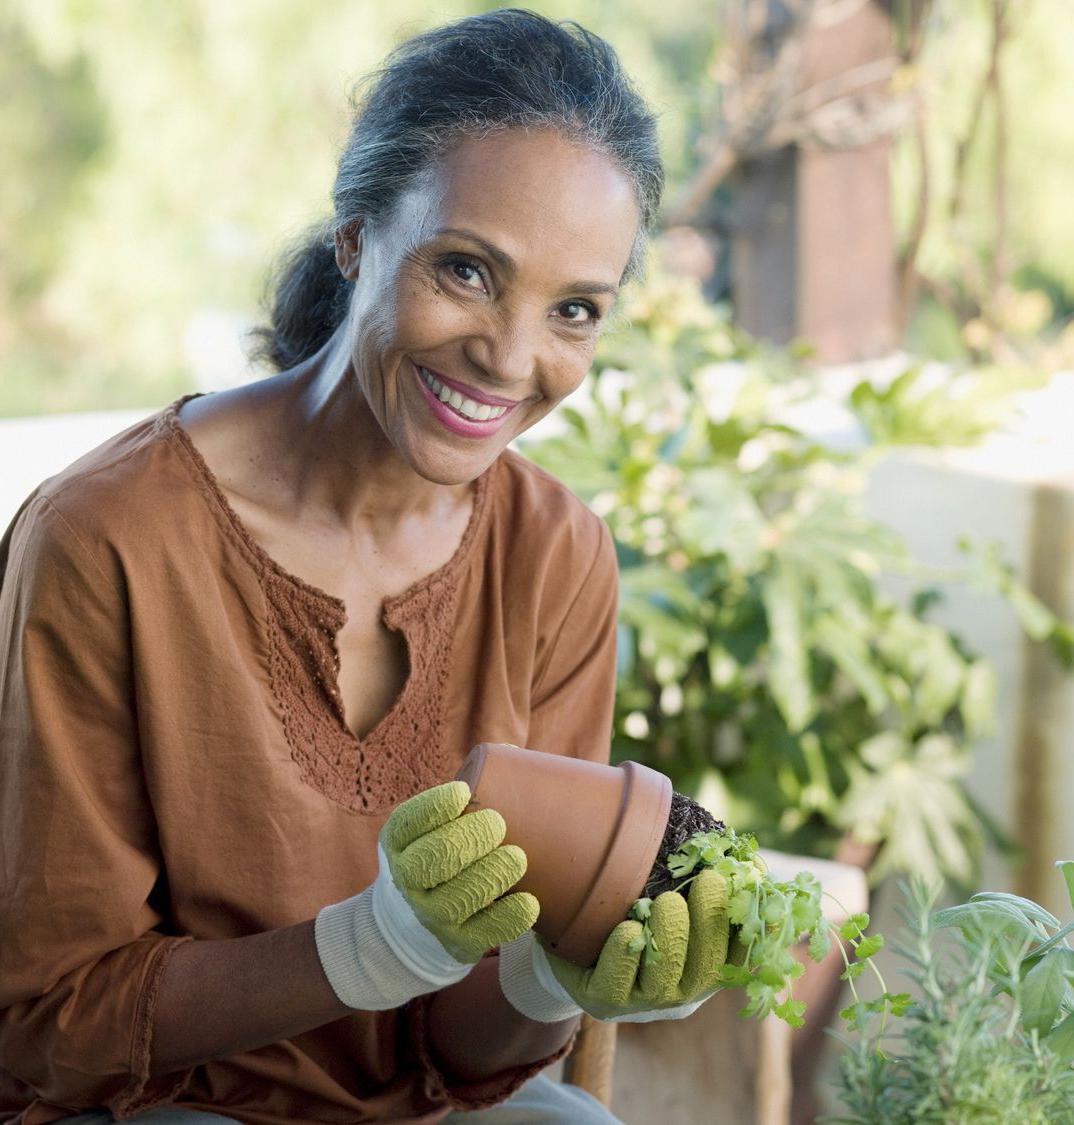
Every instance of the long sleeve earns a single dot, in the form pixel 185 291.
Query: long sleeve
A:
pixel 80 961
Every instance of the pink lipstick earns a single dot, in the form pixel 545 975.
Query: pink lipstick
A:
pixel 453 420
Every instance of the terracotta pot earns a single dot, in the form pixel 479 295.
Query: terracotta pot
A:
pixel 591 834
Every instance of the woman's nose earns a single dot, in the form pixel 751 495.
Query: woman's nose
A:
pixel 508 352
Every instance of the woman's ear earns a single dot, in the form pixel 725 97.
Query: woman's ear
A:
pixel 349 250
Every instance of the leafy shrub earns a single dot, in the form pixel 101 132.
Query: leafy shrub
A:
pixel 757 647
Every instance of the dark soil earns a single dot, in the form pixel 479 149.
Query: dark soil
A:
pixel 685 818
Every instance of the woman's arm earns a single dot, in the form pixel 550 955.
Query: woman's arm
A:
pixel 471 1049
pixel 218 998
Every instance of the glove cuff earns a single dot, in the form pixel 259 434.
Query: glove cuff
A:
pixel 376 954
pixel 530 986
pixel 652 1014
pixel 420 950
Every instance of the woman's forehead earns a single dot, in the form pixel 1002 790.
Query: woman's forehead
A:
pixel 533 192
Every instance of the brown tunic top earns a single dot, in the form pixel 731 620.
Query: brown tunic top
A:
pixel 174 763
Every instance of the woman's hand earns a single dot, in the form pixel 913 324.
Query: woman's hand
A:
pixel 454 871
pixel 692 936
pixel 439 902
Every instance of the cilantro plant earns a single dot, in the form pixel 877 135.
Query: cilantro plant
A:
pixel 769 918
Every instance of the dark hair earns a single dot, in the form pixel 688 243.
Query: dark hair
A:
pixel 482 74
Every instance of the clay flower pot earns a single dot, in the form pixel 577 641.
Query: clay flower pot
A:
pixel 591 834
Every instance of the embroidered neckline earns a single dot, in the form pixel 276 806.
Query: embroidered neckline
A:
pixel 404 752
pixel 170 418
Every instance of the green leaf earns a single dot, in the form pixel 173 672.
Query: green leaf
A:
pixel 1043 991
pixel 974 918
pixel 820 943
pixel 783 598
pixel 791 1011
pixel 854 926
pixel 899 1002
pixel 854 969
pixel 868 946
pixel 979 700
pixel 1060 1039
pixel 641 909
pixel 723 518
pixel 1027 907
pixel 852 656
pixel 1066 866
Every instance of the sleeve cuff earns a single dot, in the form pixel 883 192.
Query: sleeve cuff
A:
pixel 466 1096
pixel 144 1090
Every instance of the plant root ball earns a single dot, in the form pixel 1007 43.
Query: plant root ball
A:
pixel 685 818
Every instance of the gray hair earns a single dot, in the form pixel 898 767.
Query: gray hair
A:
pixel 504 69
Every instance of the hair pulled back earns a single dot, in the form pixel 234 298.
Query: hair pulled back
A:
pixel 503 69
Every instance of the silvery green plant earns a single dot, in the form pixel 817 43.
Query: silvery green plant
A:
pixel 990 1035
pixel 757 647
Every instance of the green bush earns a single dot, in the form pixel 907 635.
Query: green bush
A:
pixel 757 649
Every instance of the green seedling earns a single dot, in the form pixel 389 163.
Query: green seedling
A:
pixel 770 918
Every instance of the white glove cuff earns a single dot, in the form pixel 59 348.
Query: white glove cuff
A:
pixel 418 948
pixel 679 1013
pixel 530 986
pixel 376 954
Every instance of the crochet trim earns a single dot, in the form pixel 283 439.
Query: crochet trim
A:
pixel 145 1092
pixel 404 752
pixel 439 1087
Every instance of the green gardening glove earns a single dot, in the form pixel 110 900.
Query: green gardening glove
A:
pixel 692 936
pixel 454 871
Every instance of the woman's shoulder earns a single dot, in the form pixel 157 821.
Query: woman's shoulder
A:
pixel 542 517
pixel 118 491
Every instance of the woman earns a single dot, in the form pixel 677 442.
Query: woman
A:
pixel 242 632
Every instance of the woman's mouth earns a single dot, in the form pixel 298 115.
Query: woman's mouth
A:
pixel 459 414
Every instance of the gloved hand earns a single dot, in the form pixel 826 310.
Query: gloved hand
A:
pixel 435 907
pixel 691 935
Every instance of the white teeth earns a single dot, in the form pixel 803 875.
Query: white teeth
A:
pixel 478 412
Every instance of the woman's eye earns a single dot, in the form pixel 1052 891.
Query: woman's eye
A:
pixel 466 272
pixel 579 312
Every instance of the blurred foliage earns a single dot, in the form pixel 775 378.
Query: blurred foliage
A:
pixel 158 156
pixel 757 647
pixel 957 251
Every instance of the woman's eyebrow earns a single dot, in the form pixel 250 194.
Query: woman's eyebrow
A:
pixel 507 263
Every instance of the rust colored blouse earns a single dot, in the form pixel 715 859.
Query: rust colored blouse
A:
pixel 174 764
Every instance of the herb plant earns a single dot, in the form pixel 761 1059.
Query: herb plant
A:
pixel 990 1037
pixel 769 918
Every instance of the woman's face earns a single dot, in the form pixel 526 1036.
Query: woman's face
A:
pixel 490 283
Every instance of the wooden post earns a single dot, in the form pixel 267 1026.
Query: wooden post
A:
pixel 814 245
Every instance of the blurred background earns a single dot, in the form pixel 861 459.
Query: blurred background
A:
pixel 893 176
pixel 831 432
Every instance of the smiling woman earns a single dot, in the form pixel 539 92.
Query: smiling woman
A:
pixel 247 643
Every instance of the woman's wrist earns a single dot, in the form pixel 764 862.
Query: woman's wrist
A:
pixel 376 954
pixel 469 1049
